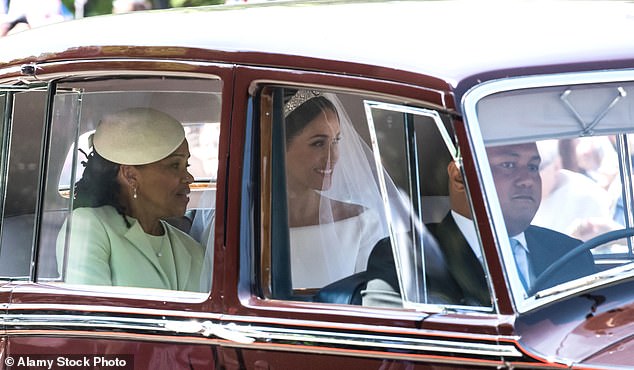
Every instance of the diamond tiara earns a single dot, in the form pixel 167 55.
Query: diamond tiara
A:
pixel 300 97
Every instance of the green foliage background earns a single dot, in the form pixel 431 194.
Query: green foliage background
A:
pixel 98 7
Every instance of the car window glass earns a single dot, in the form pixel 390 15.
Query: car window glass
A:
pixel 434 240
pixel 583 194
pixel 91 244
pixel 21 160
pixel 354 183
pixel 560 161
pixel 203 164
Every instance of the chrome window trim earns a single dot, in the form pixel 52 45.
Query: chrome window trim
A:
pixel 5 156
pixel 104 71
pixel 165 68
pixel 6 123
pixel 369 105
pixel 116 292
pixel 469 104
pixel 627 192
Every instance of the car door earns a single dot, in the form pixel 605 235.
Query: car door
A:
pixel 406 131
pixel 49 320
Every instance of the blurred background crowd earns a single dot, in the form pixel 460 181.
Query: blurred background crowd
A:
pixel 19 15
pixel 581 189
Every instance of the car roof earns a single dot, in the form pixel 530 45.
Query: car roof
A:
pixel 455 42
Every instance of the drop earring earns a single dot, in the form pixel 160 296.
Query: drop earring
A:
pixel 134 195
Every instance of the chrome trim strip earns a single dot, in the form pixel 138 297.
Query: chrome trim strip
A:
pixel 43 75
pixel 82 321
pixel 24 324
pixel 471 97
pixel 369 106
pixel 469 108
pixel 95 310
pixel 380 341
pixel 281 347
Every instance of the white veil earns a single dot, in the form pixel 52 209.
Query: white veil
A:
pixel 356 180
pixel 345 246
pixel 355 177
pixel 333 249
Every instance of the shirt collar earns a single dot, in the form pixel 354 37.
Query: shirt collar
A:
pixel 469 232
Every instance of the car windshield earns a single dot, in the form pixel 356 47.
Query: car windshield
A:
pixel 558 178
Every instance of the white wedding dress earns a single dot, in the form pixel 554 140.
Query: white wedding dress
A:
pixel 317 261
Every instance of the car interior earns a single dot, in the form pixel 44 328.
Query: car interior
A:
pixel 77 108
pixel 424 179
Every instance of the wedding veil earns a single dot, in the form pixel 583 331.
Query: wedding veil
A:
pixel 337 248
pixel 355 181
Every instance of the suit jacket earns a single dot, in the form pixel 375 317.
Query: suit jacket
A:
pixel 382 289
pixel 465 268
pixel 467 284
pixel 545 246
pixel 102 250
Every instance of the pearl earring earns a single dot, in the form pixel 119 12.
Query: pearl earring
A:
pixel 134 192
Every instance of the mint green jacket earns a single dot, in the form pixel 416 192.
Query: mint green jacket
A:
pixel 102 250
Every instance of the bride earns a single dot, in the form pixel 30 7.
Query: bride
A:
pixel 335 210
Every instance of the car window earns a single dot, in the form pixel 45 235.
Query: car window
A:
pixel 354 189
pixel 21 166
pixel 89 243
pixel 560 161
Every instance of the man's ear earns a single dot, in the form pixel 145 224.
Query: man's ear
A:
pixel 455 177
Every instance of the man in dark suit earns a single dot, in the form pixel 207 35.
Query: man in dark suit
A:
pixel 515 170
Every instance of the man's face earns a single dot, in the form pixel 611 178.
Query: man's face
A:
pixel 515 171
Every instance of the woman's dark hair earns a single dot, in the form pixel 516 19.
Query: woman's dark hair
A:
pixel 98 185
pixel 297 120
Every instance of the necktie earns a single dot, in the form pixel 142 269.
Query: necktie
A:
pixel 521 262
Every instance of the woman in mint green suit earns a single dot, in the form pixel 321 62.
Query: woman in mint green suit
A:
pixel 135 177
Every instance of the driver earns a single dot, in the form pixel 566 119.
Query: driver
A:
pixel 518 183
pixel 515 170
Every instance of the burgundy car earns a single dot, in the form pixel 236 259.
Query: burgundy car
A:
pixel 465 200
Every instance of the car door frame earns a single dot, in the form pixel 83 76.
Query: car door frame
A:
pixel 47 310
pixel 327 321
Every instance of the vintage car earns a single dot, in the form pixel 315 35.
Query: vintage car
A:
pixel 383 233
